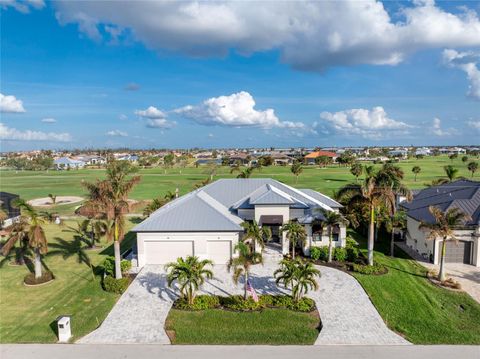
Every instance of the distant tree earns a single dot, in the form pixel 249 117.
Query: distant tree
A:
pixel 296 169
pixel 453 156
pixel 346 158
pixel 450 172
pixel 53 197
pixel 225 161
pixel 266 161
pixel 416 170
pixel 356 170
pixel 168 161
pixel 419 157
pixel 473 167
pixel 464 159
pixel 323 161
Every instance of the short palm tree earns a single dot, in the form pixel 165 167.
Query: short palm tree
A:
pixel 451 172
pixel 246 173
pixel 332 219
pixel 356 170
pixel 295 234
pixel 396 221
pixel 256 235
pixel 17 237
pixel 53 197
pixel 190 273
pixel 296 169
pixel 299 275
pixel 443 228
pixel 241 265
pixel 473 167
pixel 416 170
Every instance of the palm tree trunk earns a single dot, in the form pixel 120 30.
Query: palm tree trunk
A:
pixel 245 285
pixel 441 274
pixel 329 244
pixel 371 232
pixel 293 249
pixel 38 263
pixel 392 243
pixel 118 259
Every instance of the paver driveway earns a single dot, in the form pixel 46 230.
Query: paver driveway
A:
pixel 348 316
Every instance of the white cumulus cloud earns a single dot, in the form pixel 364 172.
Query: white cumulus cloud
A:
pixel 7 133
pixel 474 124
pixel 151 112
pixel 155 118
pixel 439 131
pixel 117 133
pixel 310 35
pixel 9 103
pixel 237 110
pixel 373 124
pixel 468 62
pixel 160 123
pixel 48 120
pixel 22 5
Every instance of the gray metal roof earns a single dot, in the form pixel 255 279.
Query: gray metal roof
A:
pixel 461 194
pixel 213 207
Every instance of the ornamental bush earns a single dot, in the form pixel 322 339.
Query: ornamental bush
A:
pixel 200 302
pixel 319 253
pixel 113 285
pixel 109 266
pixel 369 270
pixel 340 254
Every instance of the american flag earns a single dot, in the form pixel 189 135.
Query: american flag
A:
pixel 251 291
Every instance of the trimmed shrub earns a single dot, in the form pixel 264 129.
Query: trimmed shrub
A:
pixel 200 302
pixel 110 284
pixel 319 253
pixel 109 266
pixel 340 254
pixel 352 254
pixel 31 280
pixel 369 270
pixel 236 302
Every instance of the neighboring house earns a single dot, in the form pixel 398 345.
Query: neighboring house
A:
pixel 126 157
pixel 209 161
pixel 92 160
pixel 207 221
pixel 424 151
pixel 311 157
pixel 281 159
pixel 452 150
pixel 65 162
pixel 6 203
pixel 399 153
pixel 462 194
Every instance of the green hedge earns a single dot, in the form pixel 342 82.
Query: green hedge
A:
pixel 113 285
pixel 109 266
pixel 366 269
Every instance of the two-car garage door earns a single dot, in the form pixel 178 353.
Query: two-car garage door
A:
pixel 458 252
pixel 161 252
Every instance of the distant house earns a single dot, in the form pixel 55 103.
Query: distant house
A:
pixel 242 158
pixel 423 151
pixel 208 161
pixel 92 160
pixel 452 150
pixel 399 153
pixel 64 163
pixel 126 157
pixel 462 194
pixel 311 157
pixel 281 159
pixel 6 203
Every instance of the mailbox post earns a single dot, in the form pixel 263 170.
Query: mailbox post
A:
pixel 64 328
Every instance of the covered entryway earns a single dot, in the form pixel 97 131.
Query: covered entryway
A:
pixel 458 253
pixel 219 252
pixel 161 252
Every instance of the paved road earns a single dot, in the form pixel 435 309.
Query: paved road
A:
pixel 348 316
pixel 52 351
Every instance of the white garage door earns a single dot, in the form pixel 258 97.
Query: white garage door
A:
pixel 219 252
pixel 161 252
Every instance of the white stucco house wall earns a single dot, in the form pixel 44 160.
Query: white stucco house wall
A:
pixel 462 194
pixel 207 222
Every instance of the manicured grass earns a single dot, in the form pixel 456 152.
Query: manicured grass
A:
pixel 28 313
pixel 419 310
pixel 269 326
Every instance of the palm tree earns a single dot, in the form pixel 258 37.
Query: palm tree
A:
pixel 29 229
pixel 332 219
pixel 416 170
pixel 450 172
pixel 371 194
pixel 17 237
pixel 298 275
pixel 295 234
pixel 443 227
pixel 89 231
pixel 473 167
pixel 296 169
pixel 190 273
pixel 464 159
pixel 356 170
pixel 246 173
pixel 108 200
pixel 158 203
pixel 255 234
pixel 53 197
pixel 392 222
pixel 241 264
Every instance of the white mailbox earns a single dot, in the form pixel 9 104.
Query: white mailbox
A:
pixel 64 330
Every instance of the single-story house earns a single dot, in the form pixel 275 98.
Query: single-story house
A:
pixel 207 222
pixel 6 204
pixel 65 162
pixel 462 194
pixel 311 157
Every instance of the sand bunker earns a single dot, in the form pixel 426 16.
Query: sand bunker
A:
pixel 47 201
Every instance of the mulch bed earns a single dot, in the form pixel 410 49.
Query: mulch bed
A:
pixel 31 281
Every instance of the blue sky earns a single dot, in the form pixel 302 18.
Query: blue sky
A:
pixel 91 71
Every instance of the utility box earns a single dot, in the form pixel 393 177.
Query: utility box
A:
pixel 64 328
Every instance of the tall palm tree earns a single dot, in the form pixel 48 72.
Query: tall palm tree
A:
pixel 190 273
pixel 473 167
pixel 356 170
pixel 332 219
pixel 296 169
pixel 298 275
pixel 255 234
pixel 370 194
pixel 241 264
pixel 29 229
pixel 397 220
pixel 450 172
pixel 108 200
pixel 295 234
pixel 416 170
pixel 443 228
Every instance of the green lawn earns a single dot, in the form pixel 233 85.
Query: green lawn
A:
pixel 419 310
pixel 269 326
pixel 28 313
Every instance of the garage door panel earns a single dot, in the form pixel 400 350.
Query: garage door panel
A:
pixel 219 252
pixel 161 252
pixel 458 252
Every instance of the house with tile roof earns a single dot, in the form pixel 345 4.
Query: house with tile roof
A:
pixel 311 157
pixel 462 194
pixel 207 222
